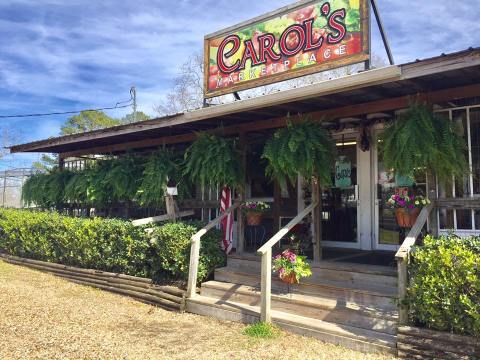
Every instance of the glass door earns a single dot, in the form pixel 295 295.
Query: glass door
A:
pixel 339 202
pixel 388 235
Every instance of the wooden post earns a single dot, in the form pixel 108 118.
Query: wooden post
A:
pixel 317 221
pixel 266 287
pixel 240 221
pixel 61 162
pixel 170 205
pixel 432 196
pixel 193 267
pixel 402 290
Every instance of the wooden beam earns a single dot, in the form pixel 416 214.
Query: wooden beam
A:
pixel 340 112
pixel 165 217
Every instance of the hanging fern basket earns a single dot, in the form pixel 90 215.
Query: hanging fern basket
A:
pixel 303 148
pixel 421 139
pixel 214 161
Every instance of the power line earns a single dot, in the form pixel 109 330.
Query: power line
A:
pixel 66 112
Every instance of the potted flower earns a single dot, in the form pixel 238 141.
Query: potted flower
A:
pixel 254 211
pixel 291 267
pixel 407 208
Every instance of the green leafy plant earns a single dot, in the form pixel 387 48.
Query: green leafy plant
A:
pixel 213 161
pixel 124 176
pixel 444 289
pixel 159 168
pixel 172 248
pixel 262 330
pixel 108 244
pixel 288 263
pixel 46 190
pixel 419 138
pixel 304 148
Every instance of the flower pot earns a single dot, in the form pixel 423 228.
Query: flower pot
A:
pixel 406 219
pixel 254 218
pixel 290 278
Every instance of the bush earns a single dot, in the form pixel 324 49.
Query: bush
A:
pixel 172 245
pixel 444 290
pixel 106 244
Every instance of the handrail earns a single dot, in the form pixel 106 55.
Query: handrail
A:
pixel 402 258
pixel 195 249
pixel 412 236
pixel 266 272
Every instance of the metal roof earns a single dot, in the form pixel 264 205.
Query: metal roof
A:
pixel 436 73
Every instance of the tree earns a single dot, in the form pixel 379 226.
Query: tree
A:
pixel 88 120
pixel 46 162
pixel 129 118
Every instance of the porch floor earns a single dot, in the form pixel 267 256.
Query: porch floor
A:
pixel 383 258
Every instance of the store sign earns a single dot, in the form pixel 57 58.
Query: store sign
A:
pixel 343 173
pixel 294 41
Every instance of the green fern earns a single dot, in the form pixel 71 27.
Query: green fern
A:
pixel 419 138
pixel 160 167
pixel 212 160
pixel 304 149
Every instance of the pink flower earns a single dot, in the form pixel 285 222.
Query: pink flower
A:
pixel 281 272
pixel 277 257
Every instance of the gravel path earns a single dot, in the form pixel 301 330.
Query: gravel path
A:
pixel 44 317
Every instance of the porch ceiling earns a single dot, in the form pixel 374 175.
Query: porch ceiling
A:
pixel 354 95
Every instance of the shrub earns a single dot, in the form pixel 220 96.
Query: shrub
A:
pixel 172 245
pixel 444 290
pixel 107 244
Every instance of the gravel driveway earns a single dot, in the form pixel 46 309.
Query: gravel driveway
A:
pixel 45 317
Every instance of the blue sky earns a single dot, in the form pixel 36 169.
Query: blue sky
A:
pixel 58 55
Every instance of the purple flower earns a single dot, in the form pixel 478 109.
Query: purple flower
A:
pixel 411 206
pixel 401 202
pixel 277 257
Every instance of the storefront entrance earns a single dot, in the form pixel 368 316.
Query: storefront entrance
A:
pixel 346 206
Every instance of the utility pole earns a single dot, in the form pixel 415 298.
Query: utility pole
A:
pixel 133 94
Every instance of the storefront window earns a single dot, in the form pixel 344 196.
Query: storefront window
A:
pixel 467 119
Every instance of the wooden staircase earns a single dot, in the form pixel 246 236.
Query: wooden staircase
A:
pixel 352 305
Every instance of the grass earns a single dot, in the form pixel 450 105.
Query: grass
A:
pixel 45 317
pixel 262 330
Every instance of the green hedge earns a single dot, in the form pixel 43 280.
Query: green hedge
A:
pixel 107 244
pixel 444 289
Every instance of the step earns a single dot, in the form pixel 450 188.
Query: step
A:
pixel 321 308
pixel 347 336
pixel 371 296
pixel 348 274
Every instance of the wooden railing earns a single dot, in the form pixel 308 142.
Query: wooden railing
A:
pixel 403 257
pixel 195 249
pixel 266 270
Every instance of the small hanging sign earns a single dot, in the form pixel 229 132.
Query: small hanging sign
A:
pixel 343 172
pixel 403 181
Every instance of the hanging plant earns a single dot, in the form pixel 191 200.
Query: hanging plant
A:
pixel 420 138
pixel 304 149
pixel 159 168
pixel 46 190
pixel 79 186
pixel 124 177
pixel 213 161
